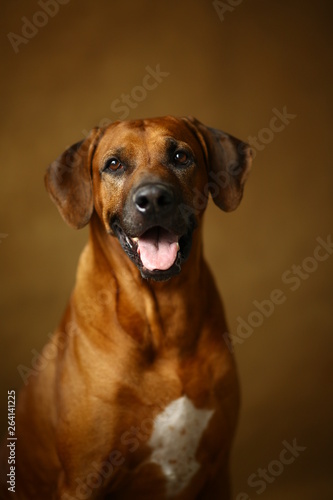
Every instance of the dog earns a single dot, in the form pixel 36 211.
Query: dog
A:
pixel 139 397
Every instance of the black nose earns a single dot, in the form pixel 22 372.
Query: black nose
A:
pixel 153 199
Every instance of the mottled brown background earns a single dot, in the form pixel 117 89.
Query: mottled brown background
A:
pixel 230 74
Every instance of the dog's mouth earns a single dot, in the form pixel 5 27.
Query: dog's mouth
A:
pixel 158 249
pixel 157 252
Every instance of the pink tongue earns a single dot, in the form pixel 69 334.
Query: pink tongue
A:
pixel 158 249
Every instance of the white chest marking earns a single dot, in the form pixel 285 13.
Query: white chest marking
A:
pixel 174 441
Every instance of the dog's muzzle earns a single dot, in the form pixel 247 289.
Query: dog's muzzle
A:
pixel 153 233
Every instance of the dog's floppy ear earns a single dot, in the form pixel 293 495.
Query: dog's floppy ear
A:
pixel 69 183
pixel 228 163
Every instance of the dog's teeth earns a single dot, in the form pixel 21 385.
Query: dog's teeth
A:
pixel 178 247
pixel 135 240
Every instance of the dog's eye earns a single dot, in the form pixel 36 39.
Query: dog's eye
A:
pixel 181 158
pixel 113 164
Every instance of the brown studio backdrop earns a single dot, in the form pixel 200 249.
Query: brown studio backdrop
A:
pixel 231 69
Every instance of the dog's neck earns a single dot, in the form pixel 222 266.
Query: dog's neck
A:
pixel 164 306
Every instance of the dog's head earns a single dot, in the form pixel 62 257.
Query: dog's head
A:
pixel 148 181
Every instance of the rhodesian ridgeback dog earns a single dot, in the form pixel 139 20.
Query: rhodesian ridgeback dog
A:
pixel 139 399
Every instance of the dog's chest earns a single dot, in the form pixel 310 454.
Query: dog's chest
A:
pixel 174 442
